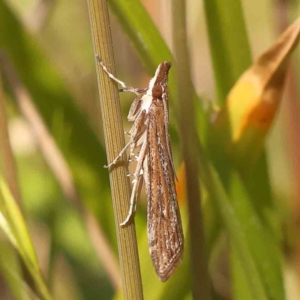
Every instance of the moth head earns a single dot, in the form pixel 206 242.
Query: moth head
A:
pixel 158 84
pixel 163 70
pixel 157 91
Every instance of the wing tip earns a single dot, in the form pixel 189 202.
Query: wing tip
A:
pixel 165 273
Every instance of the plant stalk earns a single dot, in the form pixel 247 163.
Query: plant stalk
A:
pixel 114 142
pixel 199 265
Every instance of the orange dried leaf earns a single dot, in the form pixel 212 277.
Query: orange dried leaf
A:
pixel 181 185
pixel 251 105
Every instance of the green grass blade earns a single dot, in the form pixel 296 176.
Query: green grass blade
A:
pixel 142 32
pixel 229 44
pixel 256 251
pixel 13 225
pixel 231 56
pixel 12 272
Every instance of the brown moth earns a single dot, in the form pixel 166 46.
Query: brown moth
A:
pixel 149 135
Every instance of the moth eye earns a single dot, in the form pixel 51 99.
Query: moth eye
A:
pixel 157 92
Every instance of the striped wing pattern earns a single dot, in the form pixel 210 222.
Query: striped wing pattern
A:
pixel 165 234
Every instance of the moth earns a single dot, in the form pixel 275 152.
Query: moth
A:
pixel 149 146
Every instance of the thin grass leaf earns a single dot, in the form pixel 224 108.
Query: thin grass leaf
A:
pixel 13 225
pixel 12 273
pixel 229 43
pixel 231 56
pixel 256 251
pixel 201 284
pixel 249 112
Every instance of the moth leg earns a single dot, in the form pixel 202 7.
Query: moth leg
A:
pixel 119 156
pixel 138 142
pixel 126 88
pixel 138 129
pixel 133 156
pixel 138 191
pixel 137 181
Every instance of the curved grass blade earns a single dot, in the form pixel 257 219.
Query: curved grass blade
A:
pixel 13 225
pixel 12 273
pixel 256 250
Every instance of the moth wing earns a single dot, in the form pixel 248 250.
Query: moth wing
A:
pixel 165 236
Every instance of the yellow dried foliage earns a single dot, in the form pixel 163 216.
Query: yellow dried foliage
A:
pixel 251 105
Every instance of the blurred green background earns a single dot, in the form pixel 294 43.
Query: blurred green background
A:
pixel 49 43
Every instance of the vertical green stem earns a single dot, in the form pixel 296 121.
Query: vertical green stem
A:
pixel 114 140
pixel 199 265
